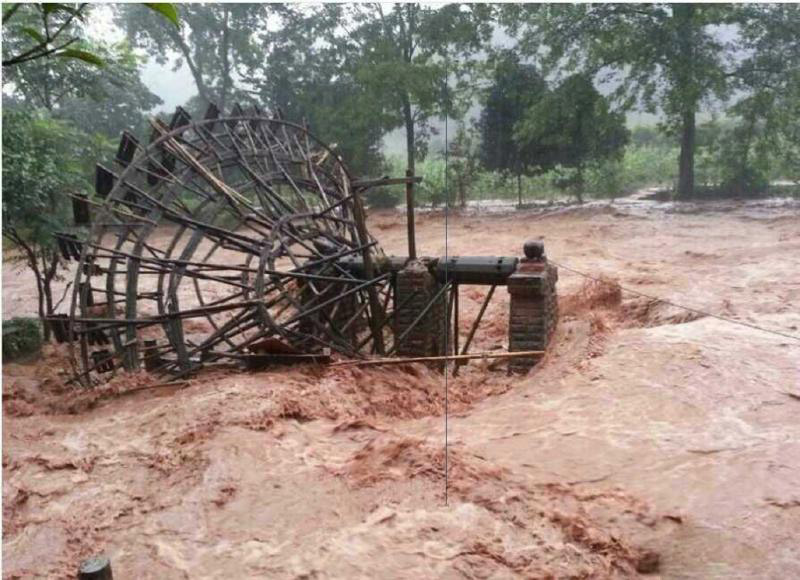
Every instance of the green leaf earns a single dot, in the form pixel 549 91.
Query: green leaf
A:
pixel 81 55
pixel 34 34
pixel 53 7
pixel 166 9
pixel 10 12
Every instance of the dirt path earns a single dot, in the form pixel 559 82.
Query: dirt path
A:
pixel 646 431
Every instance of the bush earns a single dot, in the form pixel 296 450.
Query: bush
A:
pixel 648 166
pixel 21 337
pixel 745 182
pixel 606 180
pixel 382 198
pixel 741 163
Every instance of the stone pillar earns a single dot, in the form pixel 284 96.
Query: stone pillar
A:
pixel 427 337
pixel 534 305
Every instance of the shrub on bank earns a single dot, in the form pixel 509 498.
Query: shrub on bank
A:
pixel 21 337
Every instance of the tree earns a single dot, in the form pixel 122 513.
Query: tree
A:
pixel 463 162
pixel 514 89
pixel 770 81
pixel 52 27
pixel 71 90
pixel 572 126
pixel 122 97
pixel 305 81
pixel 216 41
pixel 666 56
pixel 55 30
pixel 41 165
pixel 403 57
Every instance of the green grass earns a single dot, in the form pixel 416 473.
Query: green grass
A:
pixel 641 166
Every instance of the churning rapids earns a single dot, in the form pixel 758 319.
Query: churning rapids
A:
pixel 650 440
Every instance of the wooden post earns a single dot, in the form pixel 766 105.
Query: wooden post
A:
pixel 412 242
pixel 425 359
pixel 359 215
pixel 455 318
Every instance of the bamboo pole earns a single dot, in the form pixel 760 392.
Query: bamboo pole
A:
pixel 477 355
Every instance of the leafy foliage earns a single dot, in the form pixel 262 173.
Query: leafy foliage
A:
pixel 464 163
pixel 663 56
pixel 307 82
pixel 118 100
pixel 382 198
pixel 770 79
pixel 72 91
pixel 21 337
pixel 167 10
pixel 402 58
pixel 571 126
pixel 216 41
pixel 55 30
pixel 52 27
pixel 41 165
pixel 515 89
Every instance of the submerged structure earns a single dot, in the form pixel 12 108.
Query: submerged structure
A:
pixel 243 237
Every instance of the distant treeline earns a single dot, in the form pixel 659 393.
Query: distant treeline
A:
pixel 356 72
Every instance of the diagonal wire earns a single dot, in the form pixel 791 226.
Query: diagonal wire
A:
pixel 675 304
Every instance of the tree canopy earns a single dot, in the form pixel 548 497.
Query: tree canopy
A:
pixel 770 81
pixel 307 82
pixel 41 166
pixel 571 126
pixel 514 90
pixel 215 41
pixel 667 57
pixel 56 31
pixel 404 56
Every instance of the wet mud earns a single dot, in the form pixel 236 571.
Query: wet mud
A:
pixel 649 441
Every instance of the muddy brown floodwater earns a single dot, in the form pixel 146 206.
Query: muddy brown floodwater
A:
pixel 651 440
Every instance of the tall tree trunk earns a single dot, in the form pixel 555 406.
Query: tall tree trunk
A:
pixel 48 273
pixel 408 118
pixel 50 263
pixel 34 265
pixel 686 164
pixel 684 14
pixel 579 184
pixel 202 89
pixel 519 187
pixel 226 64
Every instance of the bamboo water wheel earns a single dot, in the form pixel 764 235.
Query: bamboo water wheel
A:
pixel 218 236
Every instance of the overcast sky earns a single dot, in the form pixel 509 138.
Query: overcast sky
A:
pixel 174 87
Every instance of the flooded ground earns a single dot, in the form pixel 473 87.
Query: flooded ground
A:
pixel 651 440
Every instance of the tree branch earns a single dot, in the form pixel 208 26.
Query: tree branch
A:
pixel 10 12
pixel 35 51
pixel 64 295
pixel 20 60
pixel 202 89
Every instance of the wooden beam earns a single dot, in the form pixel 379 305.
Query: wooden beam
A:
pixel 477 355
